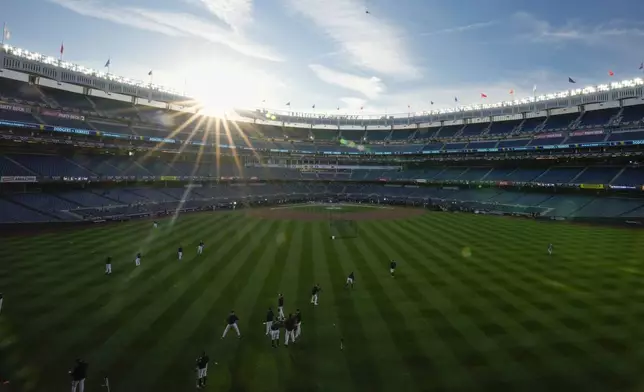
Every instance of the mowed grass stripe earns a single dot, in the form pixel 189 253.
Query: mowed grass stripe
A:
pixel 296 364
pixel 212 298
pixel 331 369
pixel 369 349
pixel 494 356
pixel 94 329
pixel 90 270
pixel 410 291
pixel 372 269
pixel 176 311
pixel 67 320
pixel 258 364
pixel 101 286
pixel 253 302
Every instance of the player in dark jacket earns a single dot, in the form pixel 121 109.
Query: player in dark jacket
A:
pixel 79 374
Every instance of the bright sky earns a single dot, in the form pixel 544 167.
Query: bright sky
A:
pixel 332 53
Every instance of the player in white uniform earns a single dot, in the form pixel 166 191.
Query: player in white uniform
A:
pixel 202 370
pixel 137 261
pixel 108 265
pixel 180 253
pixel 550 249
pixel 200 247
pixel 156 224
pixel 232 323
pixel 269 320
pixel 298 324
pixel 350 280
pixel 280 306
pixel 314 294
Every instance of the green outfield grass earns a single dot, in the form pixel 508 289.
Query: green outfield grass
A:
pixel 477 304
pixel 333 208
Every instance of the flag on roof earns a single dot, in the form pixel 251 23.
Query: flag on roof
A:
pixel 338 108
pixel 263 100
pixel 361 107
pixel 62 48
pixel 483 95
pixel 642 65
pixel 431 102
pixel 150 73
pixel 455 99
pixel 288 103
pixel 511 91
pixel 611 73
pixel 107 63
pixel 313 106
pixel 571 80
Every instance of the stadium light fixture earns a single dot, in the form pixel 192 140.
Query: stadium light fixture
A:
pixel 51 61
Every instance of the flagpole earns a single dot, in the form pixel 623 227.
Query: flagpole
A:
pixel 4 32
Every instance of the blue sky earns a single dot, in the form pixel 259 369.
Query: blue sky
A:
pixel 331 53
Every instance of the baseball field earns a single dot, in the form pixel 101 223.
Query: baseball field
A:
pixel 476 304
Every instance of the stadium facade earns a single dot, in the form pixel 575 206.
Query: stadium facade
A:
pixel 79 145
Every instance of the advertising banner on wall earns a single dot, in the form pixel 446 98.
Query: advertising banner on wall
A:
pixel 7 179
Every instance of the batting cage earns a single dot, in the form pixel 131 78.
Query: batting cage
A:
pixel 342 228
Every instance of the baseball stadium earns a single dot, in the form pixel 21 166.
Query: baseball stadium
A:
pixel 515 228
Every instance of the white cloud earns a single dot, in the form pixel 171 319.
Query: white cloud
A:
pixel 460 29
pixel 367 40
pixel 371 87
pixel 353 104
pixel 171 24
pixel 542 31
pixel 235 13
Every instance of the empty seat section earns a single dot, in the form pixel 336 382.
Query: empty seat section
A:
pixel 448 131
pixel 402 134
pixel 560 121
pixel 546 141
pixel 10 168
pixel 433 147
pixel 474 129
pixel 354 135
pixel 622 136
pixel 454 146
pixel 482 144
pixel 22 117
pixel 597 175
pixel 450 173
pixel 633 114
pixel 377 134
pixel 525 175
pixel 503 127
pixel 14 213
pixel 324 134
pixel 513 143
pixel 559 175
pixel 67 99
pixel 20 91
pixel 531 124
pixel 631 176
pixel 499 174
pixel 297 133
pixel 596 118
pixel 423 133
pixel 51 166
pixel 474 174
pixel 586 138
